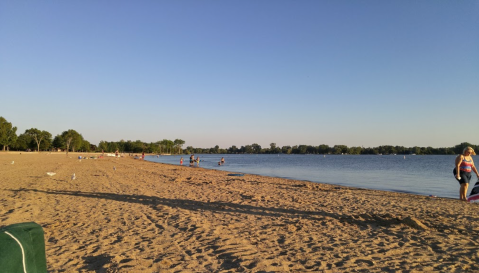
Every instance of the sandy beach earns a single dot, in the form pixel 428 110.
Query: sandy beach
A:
pixel 150 217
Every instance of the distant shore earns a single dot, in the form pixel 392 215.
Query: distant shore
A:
pixel 130 215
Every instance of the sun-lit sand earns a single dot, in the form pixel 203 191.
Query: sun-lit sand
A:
pixel 150 217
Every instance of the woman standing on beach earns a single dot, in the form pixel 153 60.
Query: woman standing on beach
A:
pixel 465 165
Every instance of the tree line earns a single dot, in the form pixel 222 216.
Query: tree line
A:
pixel 40 140
pixel 71 141
pixel 164 146
pixel 343 149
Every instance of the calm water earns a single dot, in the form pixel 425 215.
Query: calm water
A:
pixel 424 175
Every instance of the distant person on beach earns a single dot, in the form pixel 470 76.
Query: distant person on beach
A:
pixel 222 161
pixel 181 161
pixel 116 153
pixel 143 156
pixel 192 160
pixel 198 161
pixel 465 165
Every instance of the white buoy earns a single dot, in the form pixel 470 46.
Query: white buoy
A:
pixel 73 176
pixel 51 174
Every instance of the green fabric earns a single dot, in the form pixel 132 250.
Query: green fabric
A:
pixel 30 235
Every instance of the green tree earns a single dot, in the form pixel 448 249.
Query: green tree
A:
pixel 128 147
pixel 152 148
pixel 165 145
pixel 272 146
pixel 428 150
pixel 178 144
pixel 323 149
pixel 77 143
pixel 38 136
pixel 93 147
pixel 387 149
pixel 103 146
pixel 23 143
pixel 302 149
pixel 274 149
pixel 340 149
pixel 256 148
pixel 8 133
pixel 121 145
pixel 233 149
pixel 355 150
pixel 72 139
pixel 286 150
pixel 138 146
pixel 58 142
pixel 46 144
pixel 458 149
pixel 85 146
pixel 112 147
pixel 189 149
pixel 248 149
pixel 168 144
pixel 312 150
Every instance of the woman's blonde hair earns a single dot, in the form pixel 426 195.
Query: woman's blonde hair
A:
pixel 469 148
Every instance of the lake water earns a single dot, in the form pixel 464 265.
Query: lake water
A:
pixel 416 174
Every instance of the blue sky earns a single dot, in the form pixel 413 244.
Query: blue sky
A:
pixel 356 73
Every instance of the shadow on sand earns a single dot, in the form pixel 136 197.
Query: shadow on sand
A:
pixel 225 207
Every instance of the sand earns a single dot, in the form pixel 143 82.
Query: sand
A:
pixel 150 217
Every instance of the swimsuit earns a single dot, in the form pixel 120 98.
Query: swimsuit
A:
pixel 466 165
pixel 464 171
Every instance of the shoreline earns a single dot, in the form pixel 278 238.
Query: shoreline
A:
pixel 435 186
pixel 142 216
pixel 306 181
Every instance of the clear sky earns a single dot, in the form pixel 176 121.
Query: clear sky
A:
pixel 356 73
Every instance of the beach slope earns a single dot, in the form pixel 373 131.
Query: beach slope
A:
pixel 128 215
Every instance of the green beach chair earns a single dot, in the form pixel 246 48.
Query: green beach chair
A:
pixel 22 249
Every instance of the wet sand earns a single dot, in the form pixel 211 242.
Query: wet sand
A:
pixel 150 217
